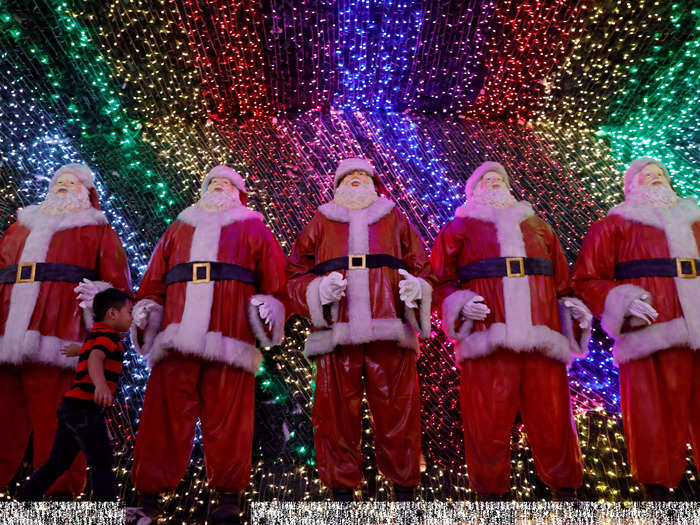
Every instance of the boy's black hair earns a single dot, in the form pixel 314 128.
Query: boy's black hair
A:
pixel 109 298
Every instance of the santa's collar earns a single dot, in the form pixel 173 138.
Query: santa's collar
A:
pixel 685 211
pixel 519 211
pixel 372 213
pixel 197 216
pixel 33 218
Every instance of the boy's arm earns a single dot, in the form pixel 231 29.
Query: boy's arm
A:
pixel 96 371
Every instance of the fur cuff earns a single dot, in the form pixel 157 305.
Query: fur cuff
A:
pixel 155 316
pixel 88 312
pixel 616 304
pixel 658 336
pixel 569 327
pixel 258 326
pixel 422 325
pixel 313 301
pixel 452 310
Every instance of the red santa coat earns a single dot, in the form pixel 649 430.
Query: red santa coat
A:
pixel 213 320
pixel 38 319
pixel 632 232
pixel 525 314
pixel 371 309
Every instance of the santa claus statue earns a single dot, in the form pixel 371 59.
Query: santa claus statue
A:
pixel 501 278
pixel 63 242
pixel 638 271
pixel 358 271
pixel 207 294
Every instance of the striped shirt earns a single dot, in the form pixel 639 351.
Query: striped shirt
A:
pixel 109 341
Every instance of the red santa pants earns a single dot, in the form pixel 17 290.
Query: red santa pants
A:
pixel 181 389
pixel 29 397
pixel 493 388
pixel 660 401
pixel 391 386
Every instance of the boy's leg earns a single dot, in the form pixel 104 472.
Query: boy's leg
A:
pixel 95 444
pixel 64 450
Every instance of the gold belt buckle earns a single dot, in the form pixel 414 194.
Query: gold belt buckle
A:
pixel 20 270
pixel 357 262
pixel 195 272
pixel 679 268
pixel 520 261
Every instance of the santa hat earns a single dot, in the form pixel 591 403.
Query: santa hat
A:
pixel 84 175
pixel 479 172
pixel 354 164
pixel 225 172
pixel 637 166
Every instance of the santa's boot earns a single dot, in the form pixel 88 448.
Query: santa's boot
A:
pixel 343 494
pixel 563 494
pixel 653 492
pixel 228 511
pixel 404 493
pixel 147 513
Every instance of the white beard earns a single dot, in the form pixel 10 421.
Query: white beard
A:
pixel 56 203
pixel 500 198
pixel 219 200
pixel 656 196
pixel 355 198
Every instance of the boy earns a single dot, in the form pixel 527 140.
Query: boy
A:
pixel 81 421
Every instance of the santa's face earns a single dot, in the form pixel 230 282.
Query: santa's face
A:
pixel 492 180
pixel 67 183
pixel 221 184
pixel 357 179
pixel 651 176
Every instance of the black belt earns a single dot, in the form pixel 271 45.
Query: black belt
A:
pixel 359 262
pixel 205 271
pixel 31 272
pixel 657 267
pixel 506 267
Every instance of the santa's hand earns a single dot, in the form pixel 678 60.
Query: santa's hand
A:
pixel 264 310
pixel 87 290
pixel 140 314
pixel 475 309
pixel 332 288
pixel 579 312
pixel 409 289
pixel 644 311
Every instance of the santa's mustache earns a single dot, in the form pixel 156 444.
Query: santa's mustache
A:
pixel 220 200
pixel 66 201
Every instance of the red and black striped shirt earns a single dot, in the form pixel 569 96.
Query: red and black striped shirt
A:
pixel 109 341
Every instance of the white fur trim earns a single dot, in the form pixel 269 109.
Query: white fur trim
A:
pixel 196 216
pixel 658 336
pixel 313 302
pixel 451 311
pixel 212 346
pixel 153 322
pixel 18 344
pixel 324 341
pixel 277 311
pixel 579 347
pixel 369 215
pixel 422 325
pixel 676 222
pixel 617 302
pixel 538 338
pixel 88 312
pixel 225 172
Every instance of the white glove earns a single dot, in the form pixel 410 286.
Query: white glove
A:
pixel 140 314
pixel 410 289
pixel 263 310
pixel 579 311
pixel 87 290
pixel 332 288
pixel 475 309
pixel 642 311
